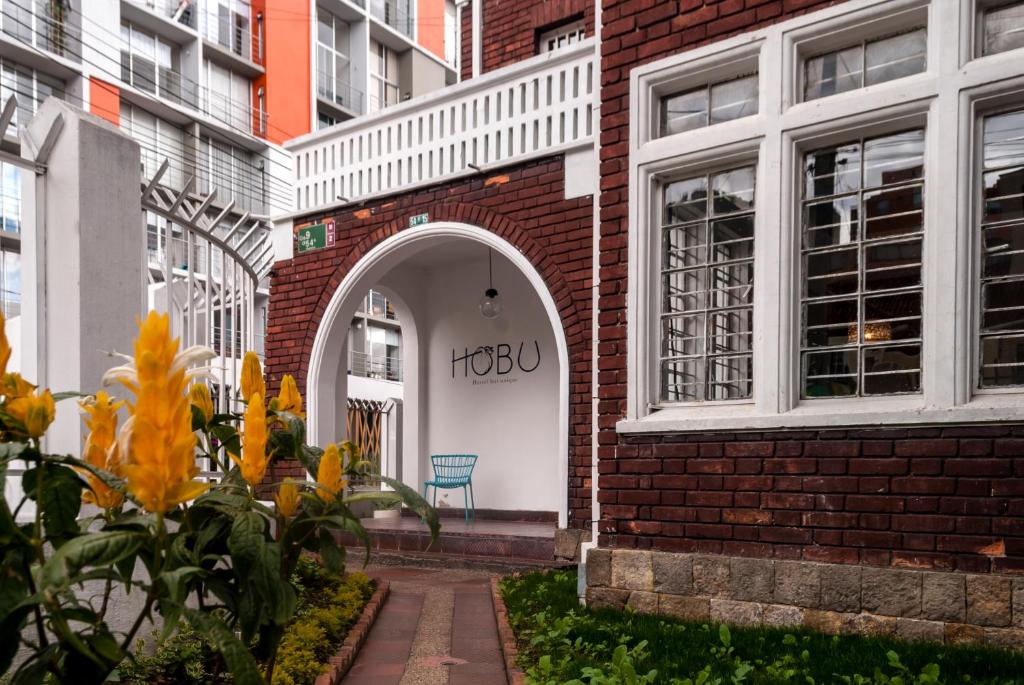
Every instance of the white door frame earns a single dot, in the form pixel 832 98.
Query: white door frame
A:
pixel 329 344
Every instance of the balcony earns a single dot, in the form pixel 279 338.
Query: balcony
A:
pixel 45 24
pixel 537 107
pixel 232 37
pixel 394 13
pixel 240 116
pixel 338 93
pixel 374 366
pixel 184 13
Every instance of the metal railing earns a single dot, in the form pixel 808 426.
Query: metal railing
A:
pixel 234 33
pixel 238 115
pixel 374 366
pixel 530 109
pixel 46 24
pixel 144 74
pixel 338 92
pixel 182 12
pixel 393 14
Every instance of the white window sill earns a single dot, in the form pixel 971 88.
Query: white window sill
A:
pixel 823 413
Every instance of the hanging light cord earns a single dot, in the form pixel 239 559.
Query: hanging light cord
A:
pixel 490 272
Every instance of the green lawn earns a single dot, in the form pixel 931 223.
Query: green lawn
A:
pixel 562 643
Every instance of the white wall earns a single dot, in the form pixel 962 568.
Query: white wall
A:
pixel 374 389
pixel 510 420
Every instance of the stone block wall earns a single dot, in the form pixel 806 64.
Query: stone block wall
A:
pixel 909 604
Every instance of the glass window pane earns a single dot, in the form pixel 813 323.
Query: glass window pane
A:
pixel 831 222
pixel 889 213
pixel 896 57
pixel 732 239
pixel 684 111
pixel 684 246
pixel 731 378
pixel 682 336
pixel 1004 140
pixel 686 200
pixel 1004 28
pixel 324 28
pixel 894 159
pixel 835 72
pixel 733 191
pixel 833 171
pixel 734 99
pixel 684 290
pixel 682 380
pixel 1004 195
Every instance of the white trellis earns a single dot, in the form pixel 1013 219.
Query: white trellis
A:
pixel 204 270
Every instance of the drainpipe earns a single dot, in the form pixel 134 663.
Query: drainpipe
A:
pixel 478 24
pixel 595 514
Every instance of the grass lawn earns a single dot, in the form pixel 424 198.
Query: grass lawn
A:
pixel 561 642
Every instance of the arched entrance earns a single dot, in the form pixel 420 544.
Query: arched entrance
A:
pixel 517 394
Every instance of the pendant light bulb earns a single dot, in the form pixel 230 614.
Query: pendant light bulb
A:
pixel 491 304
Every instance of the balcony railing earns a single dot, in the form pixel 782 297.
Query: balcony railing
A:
pixel 374 366
pixel 238 115
pixel 536 107
pixel 143 73
pixel 46 24
pixel 233 32
pixel 338 92
pixel 184 13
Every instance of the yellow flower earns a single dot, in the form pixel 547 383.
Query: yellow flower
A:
pixel 12 386
pixel 5 347
pixel 35 412
pixel 287 498
pixel 158 438
pixel 101 448
pixel 252 377
pixel 329 478
pixel 254 442
pixel 200 398
pixel 288 398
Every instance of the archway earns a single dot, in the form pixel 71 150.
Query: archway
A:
pixel 391 264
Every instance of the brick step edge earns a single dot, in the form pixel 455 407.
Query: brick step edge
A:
pixel 339 664
pixel 509 646
pixel 505 565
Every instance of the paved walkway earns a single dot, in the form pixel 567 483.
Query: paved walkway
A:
pixel 437 628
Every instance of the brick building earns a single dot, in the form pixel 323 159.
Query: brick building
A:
pixel 838 441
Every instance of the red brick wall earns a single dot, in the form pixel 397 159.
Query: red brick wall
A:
pixel 510 29
pixel 524 205
pixel 942 498
pixel 924 497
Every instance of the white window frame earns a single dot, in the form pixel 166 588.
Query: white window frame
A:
pixel 945 99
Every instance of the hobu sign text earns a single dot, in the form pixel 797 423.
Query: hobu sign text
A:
pixel 496 363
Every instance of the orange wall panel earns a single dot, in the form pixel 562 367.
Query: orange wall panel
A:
pixel 287 30
pixel 105 100
pixel 430 25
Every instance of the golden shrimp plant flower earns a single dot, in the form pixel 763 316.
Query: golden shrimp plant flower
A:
pixel 254 442
pixel 5 347
pixel 252 377
pixel 329 477
pixel 157 438
pixel 200 398
pixel 35 412
pixel 287 498
pixel 101 448
pixel 13 386
pixel 288 398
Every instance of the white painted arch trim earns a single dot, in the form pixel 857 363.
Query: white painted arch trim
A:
pixel 392 251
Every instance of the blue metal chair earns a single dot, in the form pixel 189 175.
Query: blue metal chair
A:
pixel 453 471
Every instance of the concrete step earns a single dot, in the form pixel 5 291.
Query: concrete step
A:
pixel 496 565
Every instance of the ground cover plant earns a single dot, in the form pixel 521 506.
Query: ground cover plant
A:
pixel 211 555
pixel 328 605
pixel 562 644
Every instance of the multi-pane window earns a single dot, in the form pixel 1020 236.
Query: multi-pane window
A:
pixel 10 197
pixel 228 23
pixel 1003 28
pixel 862 228
pixel 332 62
pixel 383 76
pixel 707 285
pixel 30 86
pixel 1002 251
pixel 870 62
pixel 561 36
pixel 228 97
pixel 709 104
pixel 10 297
pixel 147 62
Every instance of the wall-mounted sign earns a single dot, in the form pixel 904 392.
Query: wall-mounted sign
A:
pixel 311 238
pixel 419 220
pixel 496 363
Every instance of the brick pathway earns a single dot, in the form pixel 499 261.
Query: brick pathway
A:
pixel 432 615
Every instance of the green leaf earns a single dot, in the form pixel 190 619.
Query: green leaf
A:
pixel 246 540
pixel 61 497
pixel 332 554
pixel 198 419
pixel 237 657
pixel 416 503
pixel 95 549
pixel 66 395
